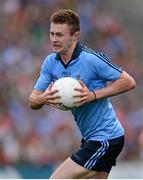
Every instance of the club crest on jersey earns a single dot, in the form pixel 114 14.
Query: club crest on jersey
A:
pixel 54 77
pixel 78 76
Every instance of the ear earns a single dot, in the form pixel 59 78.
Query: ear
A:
pixel 76 35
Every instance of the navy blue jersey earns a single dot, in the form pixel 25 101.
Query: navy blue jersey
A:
pixel 96 120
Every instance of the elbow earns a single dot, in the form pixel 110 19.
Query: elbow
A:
pixel 32 105
pixel 134 84
pixel 35 107
pixel 131 83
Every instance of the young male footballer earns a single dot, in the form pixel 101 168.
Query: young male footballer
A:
pixel 102 133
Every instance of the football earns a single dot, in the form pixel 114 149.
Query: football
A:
pixel 66 86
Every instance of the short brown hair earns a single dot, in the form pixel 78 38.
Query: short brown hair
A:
pixel 68 17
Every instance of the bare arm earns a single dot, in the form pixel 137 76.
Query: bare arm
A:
pixel 123 84
pixel 35 100
pixel 38 99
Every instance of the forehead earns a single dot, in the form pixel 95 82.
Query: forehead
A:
pixel 63 28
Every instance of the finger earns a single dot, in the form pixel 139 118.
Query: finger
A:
pixel 52 98
pixel 81 94
pixel 54 91
pixel 81 82
pixel 50 86
pixel 79 101
pixel 55 106
pixel 78 104
pixel 77 95
pixel 56 96
pixel 48 95
pixel 54 102
pixel 78 89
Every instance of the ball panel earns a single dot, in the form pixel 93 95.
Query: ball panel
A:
pixel 66 108
pixel 66 87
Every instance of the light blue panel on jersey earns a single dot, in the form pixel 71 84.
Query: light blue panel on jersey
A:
pixel 96 120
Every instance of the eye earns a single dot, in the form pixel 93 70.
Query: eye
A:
pixel 59 34
pixel 51 33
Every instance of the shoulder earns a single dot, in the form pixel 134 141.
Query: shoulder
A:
pixel 48 62
pixel 98 59
pixel 51 57
pixel 95 55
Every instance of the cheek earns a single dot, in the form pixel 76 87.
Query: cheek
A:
pixel 50 38
pixel 68 41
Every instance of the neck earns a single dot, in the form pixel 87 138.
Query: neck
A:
pixel 66 57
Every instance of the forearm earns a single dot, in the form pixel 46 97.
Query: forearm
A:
pixel 111 90
pixel 125 83
pixel 35 102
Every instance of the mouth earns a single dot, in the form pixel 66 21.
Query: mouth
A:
pixel 56 46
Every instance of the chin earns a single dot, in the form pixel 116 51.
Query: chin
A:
pixel 56 50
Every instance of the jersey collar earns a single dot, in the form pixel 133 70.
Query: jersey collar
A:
pixel 76 52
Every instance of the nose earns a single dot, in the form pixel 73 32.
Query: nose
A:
pixel 53 38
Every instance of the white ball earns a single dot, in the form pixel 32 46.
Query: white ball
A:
pixel 66 86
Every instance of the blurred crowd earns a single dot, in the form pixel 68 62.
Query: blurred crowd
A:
pixel 49 135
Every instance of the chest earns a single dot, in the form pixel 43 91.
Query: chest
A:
pixel 78 69
pixel 75 69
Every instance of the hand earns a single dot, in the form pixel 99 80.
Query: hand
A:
pixel 51 97
pixel 84 95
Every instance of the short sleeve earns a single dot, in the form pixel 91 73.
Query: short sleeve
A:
pixel 44 78
pixel 105 69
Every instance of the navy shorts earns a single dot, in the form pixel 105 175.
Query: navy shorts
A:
pixel 99 156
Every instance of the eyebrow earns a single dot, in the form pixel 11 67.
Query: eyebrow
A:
pixel 57 33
